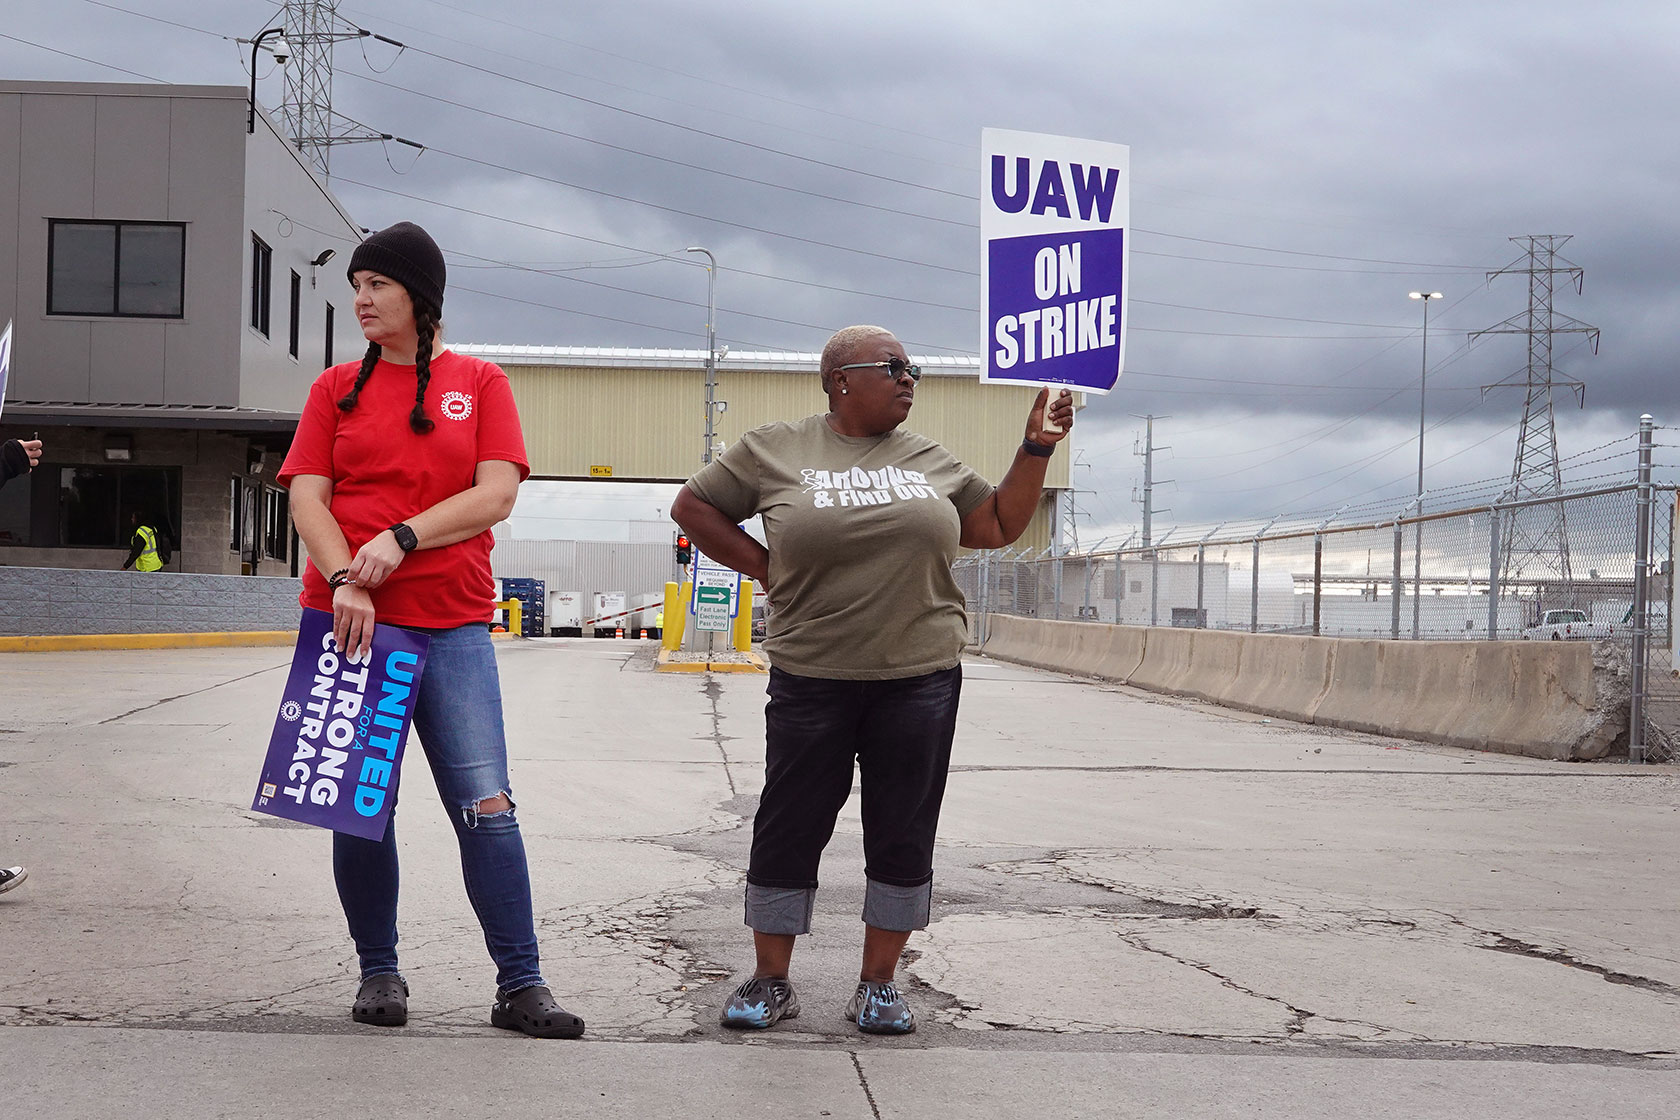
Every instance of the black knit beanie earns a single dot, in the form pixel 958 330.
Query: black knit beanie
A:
pixel 407 254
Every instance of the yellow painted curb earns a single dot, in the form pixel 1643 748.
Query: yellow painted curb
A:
pixel 664 664
pixel 758 664
pixel 58 643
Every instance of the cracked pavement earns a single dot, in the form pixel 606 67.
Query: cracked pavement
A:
pixel 1143 906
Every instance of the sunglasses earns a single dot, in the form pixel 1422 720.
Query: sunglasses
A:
pixel 895 367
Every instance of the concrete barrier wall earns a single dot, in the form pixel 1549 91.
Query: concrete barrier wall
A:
pixel 86 601
pixel 1531 698
pixel 1109 652
pixel 1287 678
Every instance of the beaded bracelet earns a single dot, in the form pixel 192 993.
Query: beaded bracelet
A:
pixel 339 578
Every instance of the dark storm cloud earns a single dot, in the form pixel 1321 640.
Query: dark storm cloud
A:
pixel 1381 150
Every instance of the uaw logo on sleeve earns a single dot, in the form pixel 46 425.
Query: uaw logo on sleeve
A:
pixel 457 406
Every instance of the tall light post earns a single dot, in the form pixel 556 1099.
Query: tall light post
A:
pixel 1423 385
pixel 711 348
pixel 282 52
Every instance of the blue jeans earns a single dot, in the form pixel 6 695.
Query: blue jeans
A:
pixel 458 718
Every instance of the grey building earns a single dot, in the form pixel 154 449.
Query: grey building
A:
pixel 158 264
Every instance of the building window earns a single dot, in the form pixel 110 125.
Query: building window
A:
pixel 97 505
pixel 236 493
pixel 14 511
pixel 246 518
pixel 126 269
pixel 326 351
pixel 276 526
pixel 297 307
pixel 262 269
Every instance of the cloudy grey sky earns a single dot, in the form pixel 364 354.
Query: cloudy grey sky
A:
pixel 1298 169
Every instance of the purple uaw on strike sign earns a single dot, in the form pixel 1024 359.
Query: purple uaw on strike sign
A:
pixel 336 750
pixel 1053 219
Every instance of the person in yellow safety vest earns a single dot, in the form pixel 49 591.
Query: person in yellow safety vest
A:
pixel 143 552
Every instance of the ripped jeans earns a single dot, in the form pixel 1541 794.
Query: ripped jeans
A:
pixel 458 718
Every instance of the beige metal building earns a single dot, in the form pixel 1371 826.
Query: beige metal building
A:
pixel 614 415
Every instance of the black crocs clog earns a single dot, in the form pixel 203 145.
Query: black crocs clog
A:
pixel 533 1011
pixel 382 1001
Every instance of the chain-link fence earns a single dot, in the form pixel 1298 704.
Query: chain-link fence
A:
pixel 1567 567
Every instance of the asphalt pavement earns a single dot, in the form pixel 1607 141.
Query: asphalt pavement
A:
pixel 1143 907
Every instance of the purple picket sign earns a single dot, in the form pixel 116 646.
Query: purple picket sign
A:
pixel 336 751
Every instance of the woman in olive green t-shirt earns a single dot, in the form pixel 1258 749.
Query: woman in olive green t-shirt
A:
pixel 862 522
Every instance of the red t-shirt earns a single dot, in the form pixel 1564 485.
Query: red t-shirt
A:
pixel 384 472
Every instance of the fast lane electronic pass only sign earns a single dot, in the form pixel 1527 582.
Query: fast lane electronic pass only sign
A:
pixel 1054 215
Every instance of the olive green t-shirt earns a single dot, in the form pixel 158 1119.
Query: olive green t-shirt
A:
pixel 862 531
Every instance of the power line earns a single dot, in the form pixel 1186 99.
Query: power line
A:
pixel 82 58
pixel 754 180
pixel 694 77
pixel 703 133
pixel 1305 253
pixel 691 214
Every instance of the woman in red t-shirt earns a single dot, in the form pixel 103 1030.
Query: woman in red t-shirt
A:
pixel 400 467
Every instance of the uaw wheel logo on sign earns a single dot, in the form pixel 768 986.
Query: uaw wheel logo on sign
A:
pixel 457 406
pixel 290 711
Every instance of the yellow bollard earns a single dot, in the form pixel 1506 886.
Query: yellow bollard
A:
pixel 676 613
pixel 743 618
pixel 515 615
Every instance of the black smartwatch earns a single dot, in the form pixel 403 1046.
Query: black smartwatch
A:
pixel 406 540
pixel 1037 450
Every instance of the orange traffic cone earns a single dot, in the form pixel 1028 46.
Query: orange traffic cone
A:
pixel 644 633
pixel 619 633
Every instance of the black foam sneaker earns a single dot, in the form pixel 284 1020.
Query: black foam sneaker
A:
pixel 761 1002
pixel 878 1008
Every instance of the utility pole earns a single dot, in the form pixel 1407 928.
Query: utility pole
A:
pixel 1539 532
pixel 1417 547
pixel 1148 456
pixel 1149 511
pixel 1148 475
pixel 711 352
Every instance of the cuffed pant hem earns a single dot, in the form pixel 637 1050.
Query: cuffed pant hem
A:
pixel 780 910
pixel 897 908
pixel 518 986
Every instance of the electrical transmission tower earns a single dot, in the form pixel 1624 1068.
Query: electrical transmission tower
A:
pixel 306 114
pixel 1538 535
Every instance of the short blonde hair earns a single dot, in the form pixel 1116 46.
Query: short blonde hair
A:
pixel 841 346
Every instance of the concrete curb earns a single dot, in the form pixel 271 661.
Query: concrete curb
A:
pixel 755 663
pixel 59 643
pixel 1534 699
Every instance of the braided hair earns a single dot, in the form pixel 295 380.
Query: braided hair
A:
pixel 425 332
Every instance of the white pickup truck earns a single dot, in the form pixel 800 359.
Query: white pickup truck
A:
pixel 1567 626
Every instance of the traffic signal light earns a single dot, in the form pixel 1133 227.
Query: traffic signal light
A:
pixel 685 551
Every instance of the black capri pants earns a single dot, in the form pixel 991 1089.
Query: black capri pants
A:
pixel 899 732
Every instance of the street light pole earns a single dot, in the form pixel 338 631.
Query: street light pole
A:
pixel 711 349
pixel 282 52
pixel 1423 385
